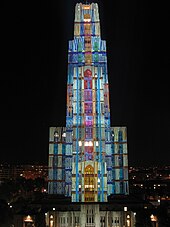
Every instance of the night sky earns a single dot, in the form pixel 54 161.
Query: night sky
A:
pixel 33 76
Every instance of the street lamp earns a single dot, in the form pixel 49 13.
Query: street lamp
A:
pixel 154 220
pixel 128 220
pixel 125 208
pixel 125 216
pixel 51 221
pixel 134 218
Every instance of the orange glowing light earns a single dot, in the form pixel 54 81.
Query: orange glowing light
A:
pixel 86 7
pixel 28 219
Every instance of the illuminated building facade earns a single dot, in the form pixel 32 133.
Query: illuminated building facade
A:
pixel 88 158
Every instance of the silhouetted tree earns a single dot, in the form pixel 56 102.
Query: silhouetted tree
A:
pixel 5 214
pixel 40 220
pixel 143 218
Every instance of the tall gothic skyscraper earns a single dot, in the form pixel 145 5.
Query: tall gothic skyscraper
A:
pixel 88 159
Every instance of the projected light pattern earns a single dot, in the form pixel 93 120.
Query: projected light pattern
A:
pixel 91 162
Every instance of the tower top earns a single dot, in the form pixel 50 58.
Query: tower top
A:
pixel 86 2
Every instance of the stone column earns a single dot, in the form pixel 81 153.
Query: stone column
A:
pixel 96 215
pixel 82 216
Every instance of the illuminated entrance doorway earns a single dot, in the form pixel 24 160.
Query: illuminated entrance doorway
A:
pixel 89 184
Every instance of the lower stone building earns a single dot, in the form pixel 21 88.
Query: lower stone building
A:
pixel 91 215
pixel 59 211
